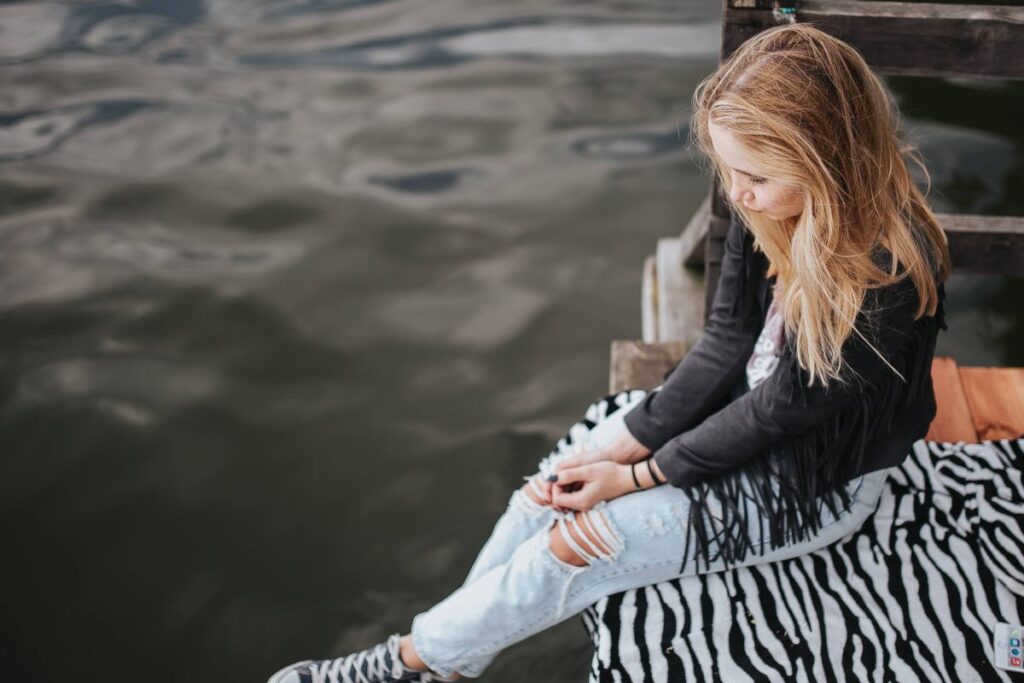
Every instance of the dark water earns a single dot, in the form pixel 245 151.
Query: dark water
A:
pixel 292 294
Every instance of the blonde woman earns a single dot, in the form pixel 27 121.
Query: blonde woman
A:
pixel 774 435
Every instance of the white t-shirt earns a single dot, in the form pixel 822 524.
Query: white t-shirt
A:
pixel 768 348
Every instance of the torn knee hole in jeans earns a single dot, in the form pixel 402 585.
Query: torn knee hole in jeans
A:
pixel 581 538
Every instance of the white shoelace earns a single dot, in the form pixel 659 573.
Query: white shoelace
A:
pixel 349 669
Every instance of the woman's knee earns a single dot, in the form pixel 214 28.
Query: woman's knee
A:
pixel 578 539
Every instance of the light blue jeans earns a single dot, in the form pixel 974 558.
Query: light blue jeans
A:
pixel 518 587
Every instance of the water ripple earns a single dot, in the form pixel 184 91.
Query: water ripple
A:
pixel 120 381
pixel 30 30
pixel 523 39
pixel 38 132
pixel 157 249
pixel 429 182
pixel 53 261
pixel 125 33
pixel 626 146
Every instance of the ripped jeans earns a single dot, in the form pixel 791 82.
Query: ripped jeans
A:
pixel 518 587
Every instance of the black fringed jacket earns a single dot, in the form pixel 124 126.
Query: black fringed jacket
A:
pixel 707 430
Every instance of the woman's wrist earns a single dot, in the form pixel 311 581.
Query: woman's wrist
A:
pixel 652 464
pixel 627 449
pixel 638 476
pixel 626 483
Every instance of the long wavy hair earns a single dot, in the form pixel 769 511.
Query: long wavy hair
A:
pixel 811 115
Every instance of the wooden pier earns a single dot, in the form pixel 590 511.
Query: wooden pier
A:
pixel 974 404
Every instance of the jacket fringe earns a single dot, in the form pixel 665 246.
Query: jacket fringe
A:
pixel 810 469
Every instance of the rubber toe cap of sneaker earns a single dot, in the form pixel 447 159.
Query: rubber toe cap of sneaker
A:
pixel 289 674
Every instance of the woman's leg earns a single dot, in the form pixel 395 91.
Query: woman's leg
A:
pixel 523 517
pixel 526 513
pixel 622 544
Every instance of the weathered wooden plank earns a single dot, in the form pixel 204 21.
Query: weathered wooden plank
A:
pixel 680 298
pixel 636 365
pixel 908 38
pixel 985 244
pixel 953 420
pixel 996 399
pixel 694 235
pixel 649 301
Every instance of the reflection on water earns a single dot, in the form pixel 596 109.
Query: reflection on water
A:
pixel 293 293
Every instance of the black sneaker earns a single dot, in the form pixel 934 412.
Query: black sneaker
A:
pixel 378 664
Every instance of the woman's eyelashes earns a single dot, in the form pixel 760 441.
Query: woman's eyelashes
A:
pixel 753 180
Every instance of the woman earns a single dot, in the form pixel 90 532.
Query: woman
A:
pixel 772 438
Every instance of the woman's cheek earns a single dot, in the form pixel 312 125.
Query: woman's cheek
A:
pixel 790 202
pixel 796 198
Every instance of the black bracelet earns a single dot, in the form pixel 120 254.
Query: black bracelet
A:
pixel 654 478
pixel 632 468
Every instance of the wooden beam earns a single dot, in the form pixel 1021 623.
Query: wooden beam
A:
pixel 636 365
pixel 694 235
pixel 985 244
pixel 649 301
pixel 680 299
pixel 996 398
pixel 908 38
pixel 953 420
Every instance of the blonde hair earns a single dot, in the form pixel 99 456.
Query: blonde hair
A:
pixel 811 115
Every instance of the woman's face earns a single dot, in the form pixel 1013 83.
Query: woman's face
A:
pixel 754 192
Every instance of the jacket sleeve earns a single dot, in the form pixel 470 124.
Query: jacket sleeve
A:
pixel 702 381
pixel 783 405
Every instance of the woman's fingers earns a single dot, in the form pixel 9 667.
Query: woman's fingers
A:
pixel 573 472
pixel 545 486
pixel 571 491
pixel 568 474
pixel 575 500
pixel 541 487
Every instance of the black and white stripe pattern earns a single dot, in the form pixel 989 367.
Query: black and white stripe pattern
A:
pixel 911 596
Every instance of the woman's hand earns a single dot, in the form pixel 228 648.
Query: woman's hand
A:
pixel 545 487
pixel 581 487
pixel 623 449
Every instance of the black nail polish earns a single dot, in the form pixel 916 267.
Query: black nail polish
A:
pixel 552 477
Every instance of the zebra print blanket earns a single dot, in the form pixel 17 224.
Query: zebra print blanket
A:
pixel 911 596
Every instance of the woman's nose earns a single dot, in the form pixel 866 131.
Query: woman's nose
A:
pixel 738 190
